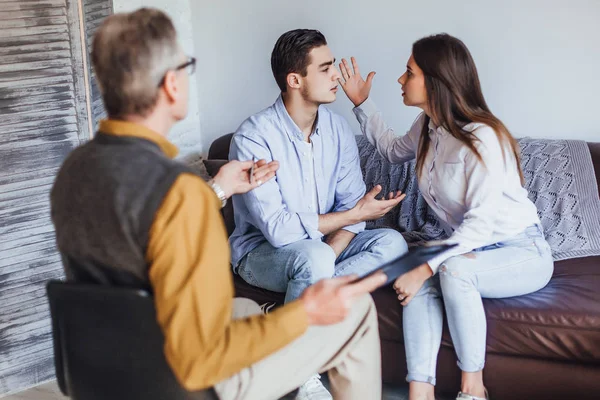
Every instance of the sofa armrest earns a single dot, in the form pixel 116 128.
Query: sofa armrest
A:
pixel 213 166
pixel 219 149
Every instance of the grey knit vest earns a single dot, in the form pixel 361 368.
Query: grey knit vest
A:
pixel 103 203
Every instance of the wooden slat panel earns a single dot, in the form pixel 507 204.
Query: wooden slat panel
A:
pixel 65 114
pixel 29 271
pixel 38 30
pixel 14 43
pixel 66 102
pixel 92 26
pixel 38 234
pixel 42 118
pixel 30 294
pixel 37 373
pixel 47 122
pixel 24 14
pixel 32 23
pixel 36 349
pixel 16 106
pixel 25 78
pixel 30 346
pixel 22 228
pixel 95 12
pixel 38 47
pixel 17 288
pixel 34 57
pixel 32 5
pixel 36 251
pixel 62 111
pixel 31 305
pixel 26 189
pixel 16 222
pixel 28 234
pixel 55 134
pixel 29 343
pixel 25 327
pixel 13 296
pixel 7 94
pixel 26 321
pixel 13 217
pixel 33 65
pixel 18 179
pixel 34 205
pixel 91 6
pixel 97 15
pixel 52 261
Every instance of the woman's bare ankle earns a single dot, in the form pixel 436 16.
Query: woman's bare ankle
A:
pixel 420 391
pixel 472 383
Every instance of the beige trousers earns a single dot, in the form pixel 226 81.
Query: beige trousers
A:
pixel 349 351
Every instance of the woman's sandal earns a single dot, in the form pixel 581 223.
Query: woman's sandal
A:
pixel 465 396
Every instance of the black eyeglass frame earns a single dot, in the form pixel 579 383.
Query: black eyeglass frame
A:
pixel 190 62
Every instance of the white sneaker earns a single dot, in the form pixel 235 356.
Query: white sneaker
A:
pixel 267 307
pixel 313 389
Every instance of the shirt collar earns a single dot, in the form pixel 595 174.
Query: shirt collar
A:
pixel 291 129
pixel 125 128
pixel 433 128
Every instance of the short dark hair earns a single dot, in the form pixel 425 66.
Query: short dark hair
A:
pixel 290 53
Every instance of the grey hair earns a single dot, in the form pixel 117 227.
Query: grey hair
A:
pixel 131 53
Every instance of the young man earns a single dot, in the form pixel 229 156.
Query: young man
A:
pixel 308 224
pixel 126 214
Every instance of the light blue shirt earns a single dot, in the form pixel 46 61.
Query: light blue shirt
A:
pixel 280 211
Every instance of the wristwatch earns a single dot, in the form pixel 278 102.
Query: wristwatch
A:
pixel 219 192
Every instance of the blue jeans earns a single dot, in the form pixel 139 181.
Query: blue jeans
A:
pixel 513 267
pixel 294 267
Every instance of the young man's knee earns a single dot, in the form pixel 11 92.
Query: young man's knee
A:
pixel 391 242
pixel 315 261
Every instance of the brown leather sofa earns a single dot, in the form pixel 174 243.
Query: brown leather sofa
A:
pixel 545 345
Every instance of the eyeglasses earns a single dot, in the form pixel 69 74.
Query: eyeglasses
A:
pixel 189 65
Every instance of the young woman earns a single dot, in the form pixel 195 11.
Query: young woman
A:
pixel 469 173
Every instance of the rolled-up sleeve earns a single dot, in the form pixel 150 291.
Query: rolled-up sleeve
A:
pixel 265 205
pixel 350 185
pixel 193 290
pixel 396 149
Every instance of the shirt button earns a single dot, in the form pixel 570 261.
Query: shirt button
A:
pixel 304 153
pixel 305 179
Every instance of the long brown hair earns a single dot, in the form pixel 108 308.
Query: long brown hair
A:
pixel 454 96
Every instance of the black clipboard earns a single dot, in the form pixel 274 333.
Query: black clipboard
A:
pixel 415 257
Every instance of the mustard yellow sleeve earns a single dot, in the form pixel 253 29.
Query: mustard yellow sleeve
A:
pixel 188 254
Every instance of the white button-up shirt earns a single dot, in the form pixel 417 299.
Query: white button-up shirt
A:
pixel 483 203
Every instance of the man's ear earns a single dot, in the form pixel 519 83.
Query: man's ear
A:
pixel 293 80
pixel 170 86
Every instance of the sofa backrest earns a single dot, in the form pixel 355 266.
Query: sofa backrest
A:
pixel 595 151
pixel 219 150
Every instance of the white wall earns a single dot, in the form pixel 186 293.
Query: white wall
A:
pixel 539 60
pixel 186 134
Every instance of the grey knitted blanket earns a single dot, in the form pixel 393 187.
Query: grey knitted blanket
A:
pixel 559 177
